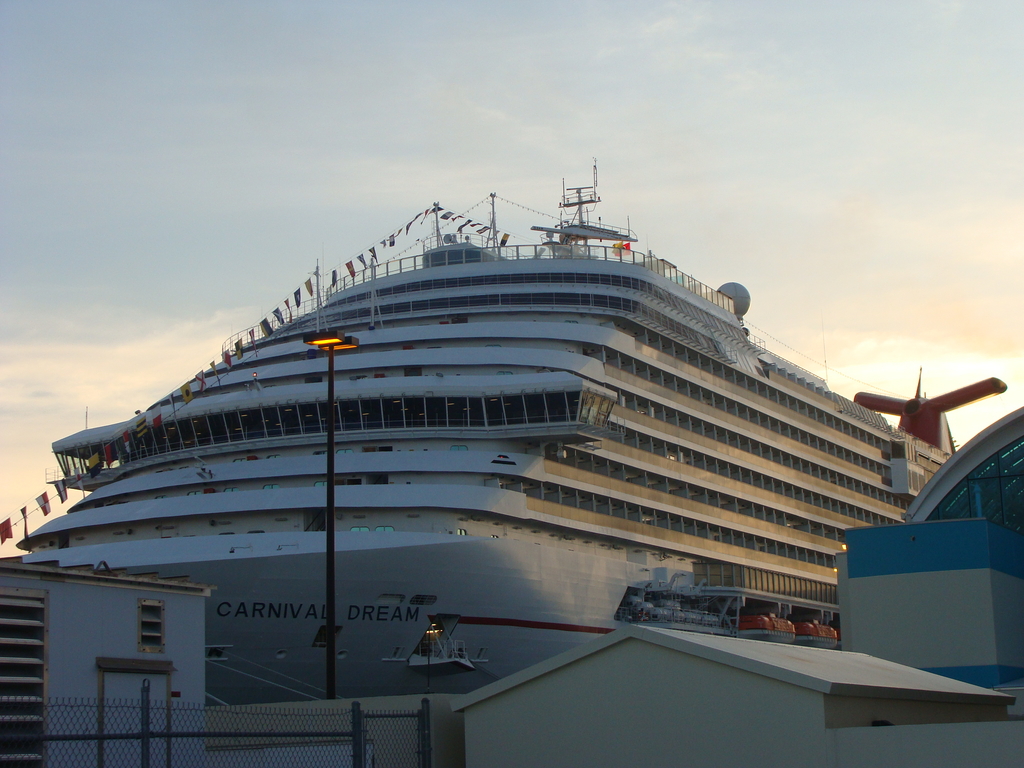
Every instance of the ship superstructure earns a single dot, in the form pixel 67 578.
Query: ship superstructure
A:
pixel 535 443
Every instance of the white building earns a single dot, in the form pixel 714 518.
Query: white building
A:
pixel 85 633
pixel 643 696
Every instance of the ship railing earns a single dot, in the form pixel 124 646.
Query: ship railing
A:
pixel 446 650
pixel 543 251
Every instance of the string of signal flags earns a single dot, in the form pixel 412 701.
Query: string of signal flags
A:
pixel 291 307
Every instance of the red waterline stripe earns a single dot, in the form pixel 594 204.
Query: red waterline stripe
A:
pixel 492 622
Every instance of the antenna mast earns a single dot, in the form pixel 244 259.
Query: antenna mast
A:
pixel 492 238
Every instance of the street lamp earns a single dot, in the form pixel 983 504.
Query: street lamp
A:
pixel 330 340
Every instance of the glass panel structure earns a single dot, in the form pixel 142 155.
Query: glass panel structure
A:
pixel 993 490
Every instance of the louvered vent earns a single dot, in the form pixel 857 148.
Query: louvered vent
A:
pixel 151 625
pixel 22 642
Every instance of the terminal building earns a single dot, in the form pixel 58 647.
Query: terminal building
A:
pixel 945 593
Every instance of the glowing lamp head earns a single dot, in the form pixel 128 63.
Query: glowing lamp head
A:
pixel 327 339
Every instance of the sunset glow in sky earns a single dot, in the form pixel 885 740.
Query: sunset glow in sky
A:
pixel 170 171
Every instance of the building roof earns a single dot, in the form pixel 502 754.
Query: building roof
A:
pixel 836 673
pixel 101 575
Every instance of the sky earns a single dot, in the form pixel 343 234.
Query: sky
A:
pixel 170 171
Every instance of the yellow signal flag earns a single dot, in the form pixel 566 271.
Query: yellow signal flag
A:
pixel 92 461
pixel 186 392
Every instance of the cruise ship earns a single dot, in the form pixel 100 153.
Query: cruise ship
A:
pixel 534 444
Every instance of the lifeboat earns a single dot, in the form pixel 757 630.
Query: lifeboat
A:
pixel 766 627
pixel 816 635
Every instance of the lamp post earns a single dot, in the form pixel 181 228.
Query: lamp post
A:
pixel 330 340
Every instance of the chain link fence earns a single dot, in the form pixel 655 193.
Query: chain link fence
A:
pixel 156 734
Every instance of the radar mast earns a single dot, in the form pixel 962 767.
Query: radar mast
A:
pixel 577 229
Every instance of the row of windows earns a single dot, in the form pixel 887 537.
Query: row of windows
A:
pixel 606 505
pixel 744 577
pixel 589 462
pixel 448 303
pixel 740 410
pixel 350 415
pixel 700 494
pixel 549 278
pixel 760 387
pixel 759 449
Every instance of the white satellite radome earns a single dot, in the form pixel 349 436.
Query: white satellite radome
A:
pixel 740 297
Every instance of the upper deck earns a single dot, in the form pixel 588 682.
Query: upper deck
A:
pixel 473 250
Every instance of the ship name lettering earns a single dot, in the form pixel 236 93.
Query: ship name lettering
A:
pixel 258 610
pixel 382 613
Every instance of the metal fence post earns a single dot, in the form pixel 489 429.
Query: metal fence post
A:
pixel 358 746
pixel 426 748
pixel 144 740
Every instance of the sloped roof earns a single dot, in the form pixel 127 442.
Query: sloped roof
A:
pixel 836 673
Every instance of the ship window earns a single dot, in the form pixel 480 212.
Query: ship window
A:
pixel 495 415
pixel 319 453
pixel 458 448
pixel 193 493
pixel 342 450
pixel 273 455
pixel 504 373
pixel 233 423
pixel 534 408
pixel 392 410
pixel 230 490
pixel 515 410
pixel 476 412
pixel 290 420
pixel 461 532
pixel 252 423
pixel 217 429
pixel 458 411
pixel 360 528
pixel 417 371
pixel 415 413
pixel 389 598
pixel 350 418
pixel 423 600
pixel 256 531
pixel 310 417
pixel 159 497
pixel 238 460
pixel 271 485
pixel 437 412
pixel 271 421
pixel 556 406
pixel 372 416
pixel 384 528
pixel 319 483
pixel 151 625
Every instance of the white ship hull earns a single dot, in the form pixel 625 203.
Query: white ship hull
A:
pixel 518 604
